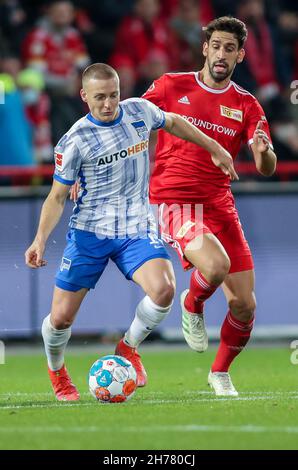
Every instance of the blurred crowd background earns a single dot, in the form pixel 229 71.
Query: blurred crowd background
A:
pixel 45 45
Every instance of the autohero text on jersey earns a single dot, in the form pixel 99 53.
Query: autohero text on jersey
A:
pixel 128 152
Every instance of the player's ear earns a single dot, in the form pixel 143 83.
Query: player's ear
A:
pixel 83 95
pixel 205 48
pixel 240 56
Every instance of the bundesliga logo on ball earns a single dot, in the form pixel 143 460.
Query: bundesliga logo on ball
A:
pixel 112 379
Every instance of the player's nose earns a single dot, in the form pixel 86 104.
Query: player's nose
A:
pixel 220 53
pixel 107 103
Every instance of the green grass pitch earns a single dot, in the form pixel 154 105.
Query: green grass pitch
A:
pixel 176 410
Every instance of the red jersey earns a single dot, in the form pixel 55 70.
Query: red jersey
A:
pixel 184 172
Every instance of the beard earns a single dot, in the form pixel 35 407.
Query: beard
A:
pixel 220 76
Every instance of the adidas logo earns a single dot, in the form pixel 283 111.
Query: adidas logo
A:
pixel 184 100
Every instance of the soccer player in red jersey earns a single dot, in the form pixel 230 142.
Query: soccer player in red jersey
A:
pixel 184 174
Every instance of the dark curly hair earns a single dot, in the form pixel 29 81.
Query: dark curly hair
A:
pixel 228 24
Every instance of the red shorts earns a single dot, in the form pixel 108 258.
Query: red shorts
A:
pixel 178 226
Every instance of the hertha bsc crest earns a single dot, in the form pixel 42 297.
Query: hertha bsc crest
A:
pixel 141 129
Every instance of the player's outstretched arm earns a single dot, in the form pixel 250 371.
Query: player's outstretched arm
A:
pixel 51 212
pixel 221 158
pixel 264 156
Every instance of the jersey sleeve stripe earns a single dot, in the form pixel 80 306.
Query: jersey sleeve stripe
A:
pixel 63 181
pixel 162 124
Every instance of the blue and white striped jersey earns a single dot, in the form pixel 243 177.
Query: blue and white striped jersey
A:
pixel 112 162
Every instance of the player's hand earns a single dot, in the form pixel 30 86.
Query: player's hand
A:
pixel 223 160
pixel 261 139
pixel 74 192
pixel 34 255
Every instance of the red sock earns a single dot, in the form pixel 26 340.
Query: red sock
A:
pixel 199 291
pixel 234 335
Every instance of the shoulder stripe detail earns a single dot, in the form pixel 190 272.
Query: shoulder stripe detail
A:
pixel 241 90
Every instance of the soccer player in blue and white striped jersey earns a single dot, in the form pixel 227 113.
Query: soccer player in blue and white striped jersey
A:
pixel 108 151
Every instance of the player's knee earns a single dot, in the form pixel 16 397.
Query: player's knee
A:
pixel 243 308
pixel 217 269
pixel 60 321
pixel 163 294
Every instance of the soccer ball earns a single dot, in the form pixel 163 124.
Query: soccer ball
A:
pixel 112 379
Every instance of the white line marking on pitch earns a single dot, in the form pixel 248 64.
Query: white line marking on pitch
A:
pixel 151 401
pixel 195 393
pixel 249 428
